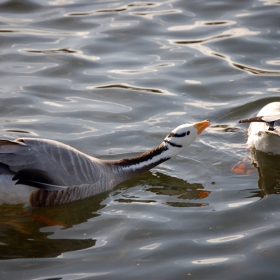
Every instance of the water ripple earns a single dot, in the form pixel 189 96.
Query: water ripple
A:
pixel 212 261
pixel 256 71
pixel 129 87
pixel 120 9
pixel 234 32
pixel 200 24
pixel 209 52
pixel 150 15
pixel 76 53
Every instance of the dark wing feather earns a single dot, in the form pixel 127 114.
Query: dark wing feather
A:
pixel 253 119
pixel 39 179
pixel 70 165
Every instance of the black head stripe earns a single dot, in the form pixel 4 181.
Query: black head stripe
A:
pixel 180 134
pixel 173 144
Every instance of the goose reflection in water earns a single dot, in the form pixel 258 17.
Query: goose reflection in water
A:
pixel 39 232
pixel 268 167
pixel 28 233
pixel 169 190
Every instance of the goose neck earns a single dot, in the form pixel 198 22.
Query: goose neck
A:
pixel 130 167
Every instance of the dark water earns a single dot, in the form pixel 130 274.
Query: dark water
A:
pixel 112 78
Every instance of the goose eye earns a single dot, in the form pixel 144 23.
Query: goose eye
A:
pixel 188 132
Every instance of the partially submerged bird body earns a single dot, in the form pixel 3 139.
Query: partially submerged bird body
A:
pixel 264 129
pixel 41 172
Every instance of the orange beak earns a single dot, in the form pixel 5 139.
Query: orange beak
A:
pixel 200 126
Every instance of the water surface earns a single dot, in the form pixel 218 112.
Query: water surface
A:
pixel 112 79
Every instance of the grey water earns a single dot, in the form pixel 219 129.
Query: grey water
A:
pixel 112 79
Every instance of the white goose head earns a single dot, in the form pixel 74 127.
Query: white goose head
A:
pixel 182 136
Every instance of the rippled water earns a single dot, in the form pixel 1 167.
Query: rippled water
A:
pixel 112 78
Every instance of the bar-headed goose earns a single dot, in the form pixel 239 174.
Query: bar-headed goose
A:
pixel 264 130
pixel 41 172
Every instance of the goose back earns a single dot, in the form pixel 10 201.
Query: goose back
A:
pixel 82 174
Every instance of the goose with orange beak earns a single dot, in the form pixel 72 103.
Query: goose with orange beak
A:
pixel 42 172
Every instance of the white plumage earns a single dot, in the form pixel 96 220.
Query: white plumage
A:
pixel 264 129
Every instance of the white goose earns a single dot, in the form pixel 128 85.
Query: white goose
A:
pixel 264 130
pixel 41 172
